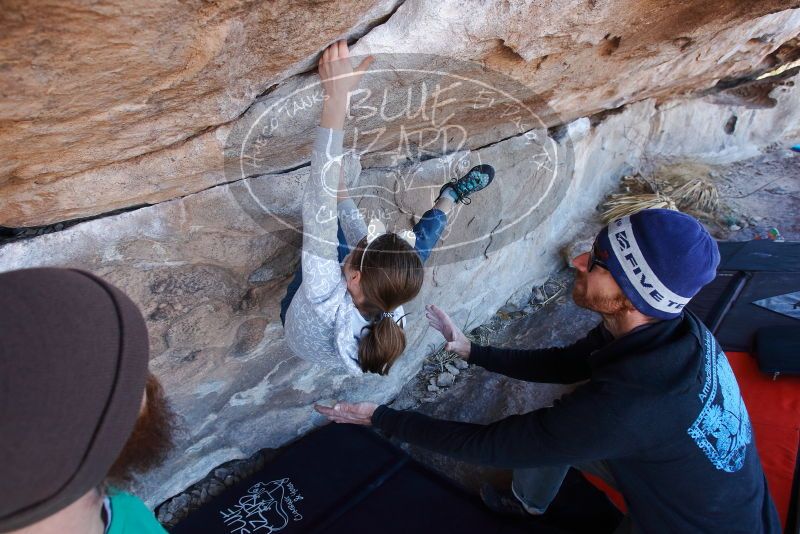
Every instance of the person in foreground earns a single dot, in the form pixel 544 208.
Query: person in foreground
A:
pixel 660 416
pixel 79 412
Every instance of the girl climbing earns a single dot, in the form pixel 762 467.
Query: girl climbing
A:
pixel 344 305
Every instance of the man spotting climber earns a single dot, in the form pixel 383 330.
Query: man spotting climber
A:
pixel 660 415
pixel 79 412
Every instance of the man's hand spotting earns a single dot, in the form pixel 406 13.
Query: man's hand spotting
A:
pixel 343 412
pixel 456 340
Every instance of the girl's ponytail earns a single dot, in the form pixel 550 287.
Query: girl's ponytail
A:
pixel 381 346
pixel 391 274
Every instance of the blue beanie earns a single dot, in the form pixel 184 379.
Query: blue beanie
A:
pixel 660 258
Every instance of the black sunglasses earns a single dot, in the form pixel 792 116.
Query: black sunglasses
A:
pixel 593 259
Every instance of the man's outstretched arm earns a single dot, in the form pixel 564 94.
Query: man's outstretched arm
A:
pixel 572 431
pixel 556 365
pixel 559 365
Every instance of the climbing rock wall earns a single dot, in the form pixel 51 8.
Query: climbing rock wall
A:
pixel 118 107
pixel 107 106
pixel 208 274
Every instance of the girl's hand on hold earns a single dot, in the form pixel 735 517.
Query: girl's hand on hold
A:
pixel 337 74
pixel 456 340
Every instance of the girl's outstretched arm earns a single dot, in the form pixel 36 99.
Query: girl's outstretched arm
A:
pixel 350 217
pixel 321 272
pixel 341 79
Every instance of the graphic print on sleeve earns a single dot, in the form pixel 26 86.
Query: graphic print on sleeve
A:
pixel 722 430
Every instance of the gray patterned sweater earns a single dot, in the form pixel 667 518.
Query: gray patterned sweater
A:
pixel 322 318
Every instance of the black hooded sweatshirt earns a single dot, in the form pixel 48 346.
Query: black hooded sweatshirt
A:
pixel 661 406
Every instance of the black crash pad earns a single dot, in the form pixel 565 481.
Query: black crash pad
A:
pixel 748 271
pixel 759 255
pixel 344 478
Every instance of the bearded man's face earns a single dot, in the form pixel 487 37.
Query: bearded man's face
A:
pixel 597 290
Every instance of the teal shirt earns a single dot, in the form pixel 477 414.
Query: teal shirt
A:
pixel 129 515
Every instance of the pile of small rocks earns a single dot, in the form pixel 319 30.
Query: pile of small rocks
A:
pixel 442 368
pixel 172 511
pixel 449 371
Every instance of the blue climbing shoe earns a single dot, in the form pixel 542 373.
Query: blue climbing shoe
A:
pixel 796 148
pixel 476 179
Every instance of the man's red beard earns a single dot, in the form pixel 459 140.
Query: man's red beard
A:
pixel 605 304
pixel 151 439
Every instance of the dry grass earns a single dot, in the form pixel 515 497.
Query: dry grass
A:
pixel 687 187
pixel 622 205
pixel 697 195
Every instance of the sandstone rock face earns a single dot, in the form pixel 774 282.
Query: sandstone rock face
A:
pixel 88 85
pixel 209 269
pixel 106 107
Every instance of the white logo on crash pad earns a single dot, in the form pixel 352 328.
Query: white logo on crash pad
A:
pixel 265 508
